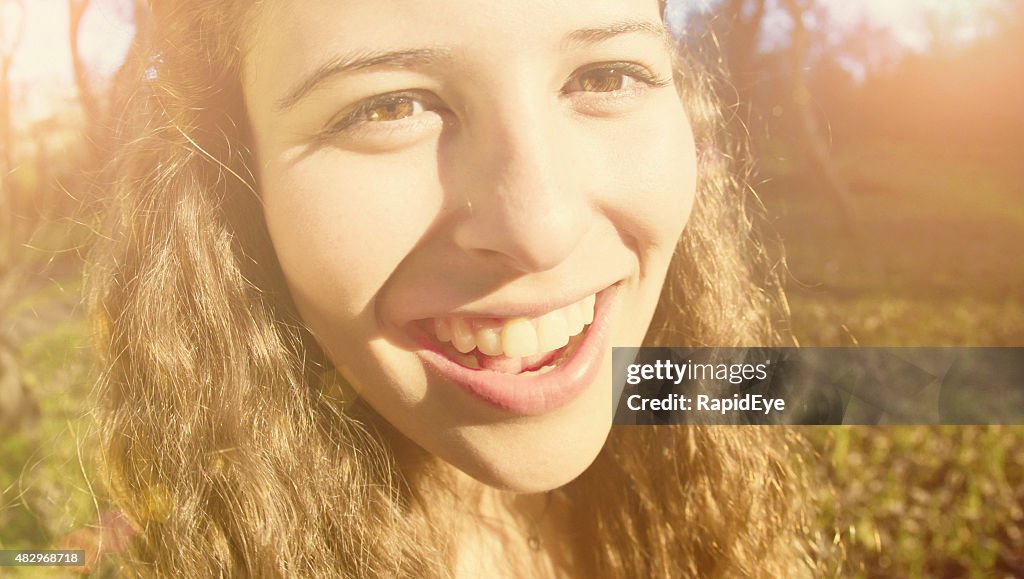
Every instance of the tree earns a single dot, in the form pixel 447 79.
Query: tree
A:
pixel 12 28
pixel 744 18
pixel 813 144
pixel 16 404
pixel 86 94
pixel 738 26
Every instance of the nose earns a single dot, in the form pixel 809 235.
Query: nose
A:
pixel 525 202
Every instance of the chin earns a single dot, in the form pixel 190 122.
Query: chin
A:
pixel 536 455
pixel 535 474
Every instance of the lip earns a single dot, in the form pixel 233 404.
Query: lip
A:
pixel 536 394
pixel 534 309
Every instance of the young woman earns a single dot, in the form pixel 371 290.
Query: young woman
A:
pixel 360 289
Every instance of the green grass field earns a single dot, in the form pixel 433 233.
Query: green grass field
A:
pixel 934 259
pixel 46 469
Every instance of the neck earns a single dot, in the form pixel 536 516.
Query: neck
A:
pixel 519 534
pixel 524 534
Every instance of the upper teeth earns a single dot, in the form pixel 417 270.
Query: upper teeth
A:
pixel 517 337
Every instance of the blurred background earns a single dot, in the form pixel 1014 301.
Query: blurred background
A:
pixel 888 138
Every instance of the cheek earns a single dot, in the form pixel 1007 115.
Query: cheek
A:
pixel 654 168
pixel 341 226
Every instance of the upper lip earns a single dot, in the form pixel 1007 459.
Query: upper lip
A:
pixel 504 309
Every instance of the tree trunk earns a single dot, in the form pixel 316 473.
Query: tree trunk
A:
pixel 86 96
pixel 814 145
pixel 741 44
pixel 8 239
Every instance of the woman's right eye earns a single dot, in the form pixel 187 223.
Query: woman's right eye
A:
pixel 381 112
pixel 393 108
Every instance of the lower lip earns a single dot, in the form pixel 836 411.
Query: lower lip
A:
pixel 539 393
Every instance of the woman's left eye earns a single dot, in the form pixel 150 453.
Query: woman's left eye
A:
pixel 612 77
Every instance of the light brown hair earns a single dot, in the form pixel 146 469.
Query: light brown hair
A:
pixel 226 440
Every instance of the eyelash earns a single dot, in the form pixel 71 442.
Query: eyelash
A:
pixel 358 114
pixel 631 70
pixel 361 111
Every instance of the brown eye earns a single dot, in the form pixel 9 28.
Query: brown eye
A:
pixel 602 80
pixel 389 112
pixel 613 77
pixel 391 109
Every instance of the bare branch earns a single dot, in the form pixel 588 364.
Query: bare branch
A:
pixel 86 95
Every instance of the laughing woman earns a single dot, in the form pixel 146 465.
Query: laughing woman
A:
pixel 365 267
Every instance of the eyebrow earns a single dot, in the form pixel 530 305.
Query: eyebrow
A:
pixel 589 36
pixel 409 58
pixel 417 57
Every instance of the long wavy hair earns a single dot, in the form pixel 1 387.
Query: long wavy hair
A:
pixel 227 440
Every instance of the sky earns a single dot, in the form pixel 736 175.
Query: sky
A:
pixel 41 70
pixel 906 20
pixel 43 63
pixel 44 51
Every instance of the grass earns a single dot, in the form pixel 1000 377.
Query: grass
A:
pixel 46 469
pixel 925 501
pixel 934 259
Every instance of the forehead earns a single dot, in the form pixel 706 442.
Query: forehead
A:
pixel 288 34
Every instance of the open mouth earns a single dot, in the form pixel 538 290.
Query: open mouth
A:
pixel 518 345
pixel 523 365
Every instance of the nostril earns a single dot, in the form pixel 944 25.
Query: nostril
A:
pixel 527 244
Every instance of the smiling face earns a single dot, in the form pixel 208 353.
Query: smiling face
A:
pixel 471 204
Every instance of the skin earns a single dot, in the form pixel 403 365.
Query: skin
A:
pixel 517 165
